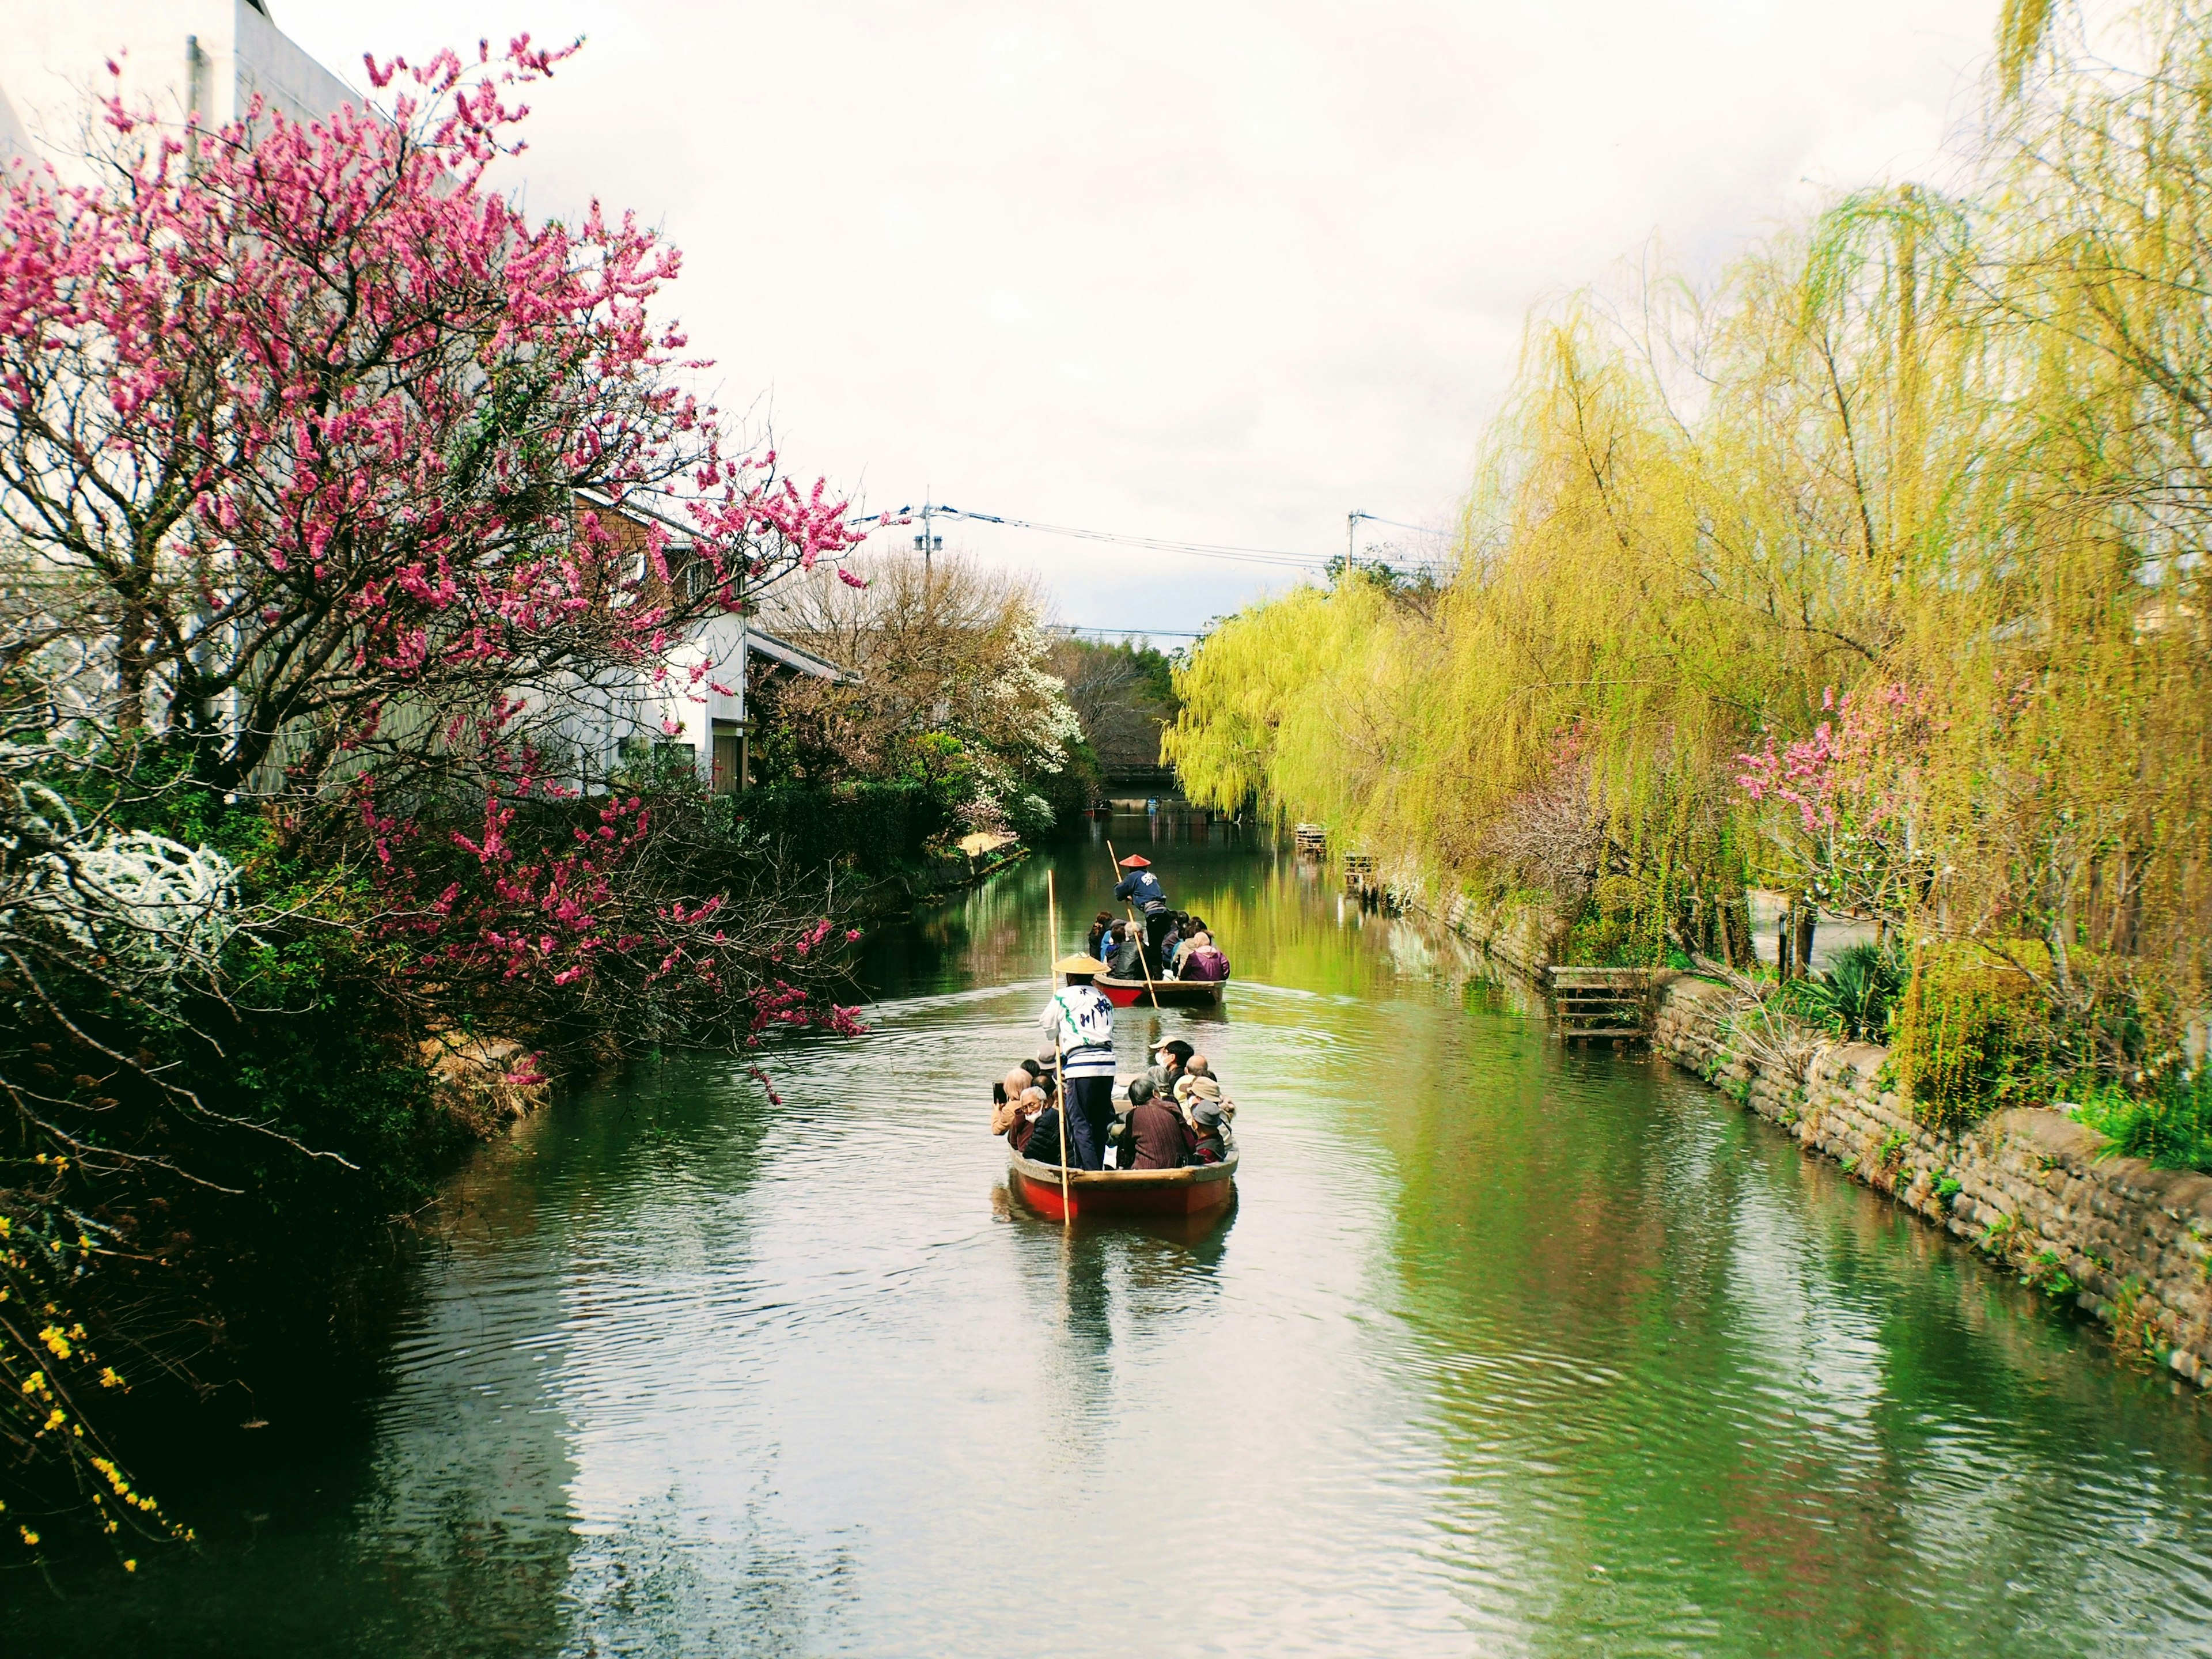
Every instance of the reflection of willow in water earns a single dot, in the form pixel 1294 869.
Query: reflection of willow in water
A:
pixel 1597 1240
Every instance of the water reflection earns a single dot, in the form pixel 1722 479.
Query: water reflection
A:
pixel 1502 1349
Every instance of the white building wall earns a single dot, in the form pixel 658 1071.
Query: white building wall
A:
pixel 54 53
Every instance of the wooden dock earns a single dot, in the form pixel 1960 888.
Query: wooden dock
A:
pixel 1610 1004
pixel 1311 840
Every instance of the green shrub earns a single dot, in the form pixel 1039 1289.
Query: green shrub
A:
pixel 1853 997
pixel 1969 1032
pixel 2168 1124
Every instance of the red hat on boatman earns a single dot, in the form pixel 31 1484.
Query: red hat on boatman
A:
pixel 1136 861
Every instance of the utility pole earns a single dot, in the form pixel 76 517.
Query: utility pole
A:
pixel 1351 523
pixel 926 545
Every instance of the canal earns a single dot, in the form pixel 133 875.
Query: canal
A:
pixel 1504 1350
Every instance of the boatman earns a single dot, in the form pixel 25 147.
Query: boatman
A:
pixel 1141 887
pixel 1078 1028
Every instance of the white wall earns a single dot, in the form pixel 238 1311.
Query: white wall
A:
pixel 53 57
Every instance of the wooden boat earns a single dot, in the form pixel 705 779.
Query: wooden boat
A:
pixel 1171 992
pixel 1201 1190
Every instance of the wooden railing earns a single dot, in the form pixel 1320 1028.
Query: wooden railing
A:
pixel 1609 1003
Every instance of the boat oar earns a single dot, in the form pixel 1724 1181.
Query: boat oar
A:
pixel 1059 1072
pixel 1143 960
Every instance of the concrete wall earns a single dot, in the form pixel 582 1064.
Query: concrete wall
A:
pixel 2032 1191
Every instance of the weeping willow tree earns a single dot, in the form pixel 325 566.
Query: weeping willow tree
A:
pixel 1876 575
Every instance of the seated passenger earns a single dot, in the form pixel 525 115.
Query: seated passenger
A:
pixel 1201 1066
pixel 1202 1104
pixel 1094 945
pixel 1169 1059
pixel 1127 961
pixel 1042 1146
pixel 1203 960
pixel 1171 946
pixel 1161 1139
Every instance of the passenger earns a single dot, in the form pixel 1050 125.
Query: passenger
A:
pixel 1096 944
pixel 1161 1139
pixel 1201 1066
pixel 1201 1106
pixel 1019 1116
pixel 1200 959
pixel 1042 1143
pixel 1128 957
pixel 1171 945
pixel 1078 1026
pixel 1169 1059
pixel 1141 887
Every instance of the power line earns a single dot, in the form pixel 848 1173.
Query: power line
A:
pixel 1130 633
pixel 1280 557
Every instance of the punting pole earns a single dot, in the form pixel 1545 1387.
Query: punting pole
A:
pixel 1144 961
pixel 1059 1072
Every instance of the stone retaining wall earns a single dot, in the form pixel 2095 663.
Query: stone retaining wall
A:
pixel 1525 937
pixel 2130 1244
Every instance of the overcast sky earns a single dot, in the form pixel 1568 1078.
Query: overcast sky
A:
pixel 1207 271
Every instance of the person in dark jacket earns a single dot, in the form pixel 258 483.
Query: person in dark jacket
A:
pixel 1100 925
pixel 1042 1146
pixel 1161 1139
pixel 1141 887
pixel 1127 960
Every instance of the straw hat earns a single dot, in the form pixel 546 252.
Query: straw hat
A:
pixel 1136 861
pixel 1078 964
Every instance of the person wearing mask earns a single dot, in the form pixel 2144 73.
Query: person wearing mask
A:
pixel 1043 1144
pixel 1017 1119
pixel 1078 1028
pixel 1169 1059
pixel 1141 887
pixel 1157 1134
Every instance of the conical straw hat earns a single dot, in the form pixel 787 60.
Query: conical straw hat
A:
pixel 1078 964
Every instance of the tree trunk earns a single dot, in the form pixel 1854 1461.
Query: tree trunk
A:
pixel 1784 936
pixel 1806 915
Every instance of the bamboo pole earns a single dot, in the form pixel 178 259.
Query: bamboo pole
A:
pixel 1059 1071
pixel 1144 960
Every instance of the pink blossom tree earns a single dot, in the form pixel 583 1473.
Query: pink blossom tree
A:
pixel 311 444
pixel 1841 808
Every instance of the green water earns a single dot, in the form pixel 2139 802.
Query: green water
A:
pixel 1504 1350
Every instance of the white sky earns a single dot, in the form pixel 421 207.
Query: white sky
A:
pixel 1215 271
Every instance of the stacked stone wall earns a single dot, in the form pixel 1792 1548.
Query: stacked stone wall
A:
pixel 2130 1244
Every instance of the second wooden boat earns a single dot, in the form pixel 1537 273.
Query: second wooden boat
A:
pixel 1171 992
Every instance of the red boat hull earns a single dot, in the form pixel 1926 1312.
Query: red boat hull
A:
pixel 1171 993
pixel 1106 1195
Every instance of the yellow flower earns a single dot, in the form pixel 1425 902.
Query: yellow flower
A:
pixel 29 1537
pixel 57 1342
pixel 130 1566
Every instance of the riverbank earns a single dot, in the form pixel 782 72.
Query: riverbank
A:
pixel 2035 1192
pixel 2039 1194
